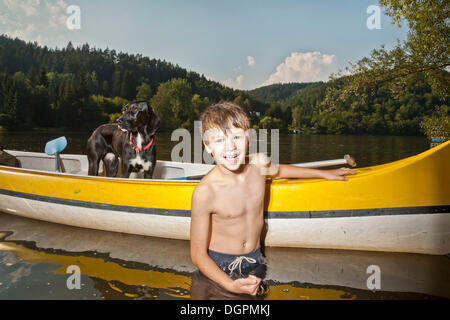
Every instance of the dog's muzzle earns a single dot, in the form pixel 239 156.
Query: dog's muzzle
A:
pixel 120 127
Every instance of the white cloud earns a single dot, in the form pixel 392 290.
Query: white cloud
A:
pixel 28 7
pixel 251 61
pixel 304 67
pixel 27 32
pixel 237 83
pixel 57 14
pixel 43 21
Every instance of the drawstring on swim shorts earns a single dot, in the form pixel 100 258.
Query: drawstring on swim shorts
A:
pixel 238 263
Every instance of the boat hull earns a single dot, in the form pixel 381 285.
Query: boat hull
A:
pixel 419 233
pixel 402 206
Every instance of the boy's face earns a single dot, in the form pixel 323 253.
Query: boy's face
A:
pixel 228 149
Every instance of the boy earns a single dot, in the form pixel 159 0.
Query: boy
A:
pixel 227 204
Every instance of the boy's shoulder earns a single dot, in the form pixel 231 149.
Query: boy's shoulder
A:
pixel 204 192
pixel 259 159
pixel 206 182
pixel 264 163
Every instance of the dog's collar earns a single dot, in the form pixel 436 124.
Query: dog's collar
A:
pixel 134 145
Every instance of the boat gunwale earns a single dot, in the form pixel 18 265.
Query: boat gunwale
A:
pixel 87 177
pixel 361 172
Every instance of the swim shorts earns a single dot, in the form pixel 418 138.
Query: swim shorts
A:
pixel 240 266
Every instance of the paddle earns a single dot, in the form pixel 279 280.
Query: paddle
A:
pixel 325 163
pixel 316 164
pixel 55 147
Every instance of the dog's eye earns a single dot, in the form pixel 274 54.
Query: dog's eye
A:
pixel 134 110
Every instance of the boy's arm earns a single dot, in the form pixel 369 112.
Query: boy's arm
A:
pixel 200 236
pixel 290 171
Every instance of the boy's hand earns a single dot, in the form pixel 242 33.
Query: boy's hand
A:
pixel 337 174
pixel 247 285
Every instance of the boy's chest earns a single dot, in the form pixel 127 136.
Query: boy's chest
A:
pixel 240 199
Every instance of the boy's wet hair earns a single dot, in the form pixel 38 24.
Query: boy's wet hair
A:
pixel 223 114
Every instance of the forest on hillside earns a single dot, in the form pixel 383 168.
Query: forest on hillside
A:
pixel 402 91
pixel 80 88
pixel 307 109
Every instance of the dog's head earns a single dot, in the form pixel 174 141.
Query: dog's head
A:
pixel 138 115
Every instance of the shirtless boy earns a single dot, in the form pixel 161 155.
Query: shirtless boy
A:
pixel 227 205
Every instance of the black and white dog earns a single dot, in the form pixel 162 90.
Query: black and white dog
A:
pixel 132 139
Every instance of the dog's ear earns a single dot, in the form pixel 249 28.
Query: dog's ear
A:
pixel 142 105
pixel 153 123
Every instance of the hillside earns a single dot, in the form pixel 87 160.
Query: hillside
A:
pixel 279 92
pixel 84 86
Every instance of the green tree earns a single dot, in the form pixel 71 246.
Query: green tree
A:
pixel 198 105
pixel 128 86
pixel 425 51
pixel 275 111
pixel 438 125
pixel 144 92
pixel 172 103
pixel 93 82
pixel 270 123
pixel 43 80
pixel 105 88
pixel 41 112
pixel 32 75
pixel 415 66
pixel 117 82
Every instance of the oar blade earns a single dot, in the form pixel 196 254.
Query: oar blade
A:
pixel 55 146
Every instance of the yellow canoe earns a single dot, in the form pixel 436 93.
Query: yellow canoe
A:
pixel 401 206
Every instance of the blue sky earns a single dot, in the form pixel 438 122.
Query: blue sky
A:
pixel 243 44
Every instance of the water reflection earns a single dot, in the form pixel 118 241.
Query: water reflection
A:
pixel 34 256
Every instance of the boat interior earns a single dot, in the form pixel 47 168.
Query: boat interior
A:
pixel 78 165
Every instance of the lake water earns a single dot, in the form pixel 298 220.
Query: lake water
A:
pixel 294 148
pixel 35 255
